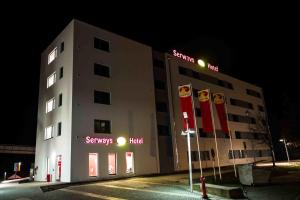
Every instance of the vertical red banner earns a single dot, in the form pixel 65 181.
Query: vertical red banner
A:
pixel 186 103
pixel 219 101
pixel 205 107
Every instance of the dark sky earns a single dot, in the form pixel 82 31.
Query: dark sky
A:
pixel 255 43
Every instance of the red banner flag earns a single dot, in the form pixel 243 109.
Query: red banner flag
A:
pixel 186 103
pixel 219 101
pixel 204 100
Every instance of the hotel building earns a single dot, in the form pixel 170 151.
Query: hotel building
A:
pixel 98 89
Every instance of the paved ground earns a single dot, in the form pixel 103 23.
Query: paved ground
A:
pixel 161 187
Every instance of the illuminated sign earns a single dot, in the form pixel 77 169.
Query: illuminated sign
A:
pixel 96 140
pixel 136 140
pixel 213 68
pixel 192 60
pixel 184 57
pixel 109 141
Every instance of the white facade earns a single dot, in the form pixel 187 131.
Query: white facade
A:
pixel 96 86
pixel 131 112
pixel 237 90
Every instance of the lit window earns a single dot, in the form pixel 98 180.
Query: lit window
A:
pixel 48 132
pixel 50 105
pixel 93 164
pixel 129 162
pixel 51 80
pixel 112 164
pixel 52 55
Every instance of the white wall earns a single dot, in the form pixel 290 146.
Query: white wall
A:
pixel 132 109
pixel 58 145
pixel 239 92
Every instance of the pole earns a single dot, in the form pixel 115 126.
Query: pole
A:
pixel 214 127
pixel 230 139
pixel 197 137
pixel 286 150
pixel 214 170
pixel 189 153
pixel 232 154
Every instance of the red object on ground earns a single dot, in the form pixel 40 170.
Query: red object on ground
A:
pixel 204 195
pixel 48 177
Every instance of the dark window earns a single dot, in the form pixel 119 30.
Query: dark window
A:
pixel 182 70
pixel 261 108
pixel 195 92
pixel 238 135
pixel 62 47
pixel 159 84
pixel 161 107
pixel 204 155
pixel 198 112
pixel 241 103
pixel 253 93
pixel 101 97
pixel 101 44
pixel 163 130
pixel 101 70
pixel 61 72
pixel 60 100
pixel 158 63
pixel 59 129
pixel 204 77
pixel 240 118
pixel 102 126
pixel 202 133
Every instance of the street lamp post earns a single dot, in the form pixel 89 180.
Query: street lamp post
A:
pixel 189 149
pixel 286 150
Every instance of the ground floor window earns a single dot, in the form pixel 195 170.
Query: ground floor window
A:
pixel 93 164
pixel 112 163
pixel 129 162
pixel 58 168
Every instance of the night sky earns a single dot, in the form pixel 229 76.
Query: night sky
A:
pixel 258 44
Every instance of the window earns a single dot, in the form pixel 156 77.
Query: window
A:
pixel 129 162
pixel 48 132
pixel 198 112
pixel 241 103
pixel 159 84
pixel 242 119
pixel 60 100
pixel 52 55
pixel 101 97
pixel 93 164
pixel 161 107
pixel 59 129
pixel 101 70
pixel 253 93
pixel 112 162
pixel 62 47
pixel 50 105
pixel 163 130
pixel 102 126
pixel 238 135
pixel 51 80
pixel 204 155
pixel 261 108
pixel 101 44
pixel 204 77
pixel 61 72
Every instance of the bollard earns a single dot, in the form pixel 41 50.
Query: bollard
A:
pixel 204 195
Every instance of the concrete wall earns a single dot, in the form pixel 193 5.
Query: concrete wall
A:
pixel 239 92
pixel 58 145
pixel 132 109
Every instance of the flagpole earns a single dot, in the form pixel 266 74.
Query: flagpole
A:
pixel 197 137
pixel 232 154
pixel 214 127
